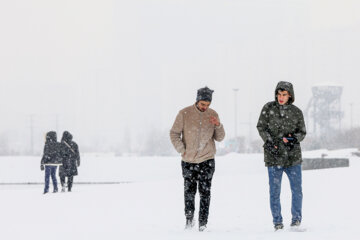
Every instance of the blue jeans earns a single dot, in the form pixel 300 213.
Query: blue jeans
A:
pixel 50 171
pixel 295 179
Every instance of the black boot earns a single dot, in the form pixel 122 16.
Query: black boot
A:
pixel 202 227
pixel 278 226
pixel 70 183
pixel 189 223
pixel 69 186
pixel 295 223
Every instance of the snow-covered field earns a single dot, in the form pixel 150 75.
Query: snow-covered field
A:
pixel 148 204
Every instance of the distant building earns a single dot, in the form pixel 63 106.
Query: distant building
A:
pixel 323 112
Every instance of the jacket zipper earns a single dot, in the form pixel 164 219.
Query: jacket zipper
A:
pixel 199 135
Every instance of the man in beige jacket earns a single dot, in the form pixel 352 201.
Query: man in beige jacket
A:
pixel 193 134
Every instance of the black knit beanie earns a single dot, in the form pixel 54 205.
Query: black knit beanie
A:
pixel 204 94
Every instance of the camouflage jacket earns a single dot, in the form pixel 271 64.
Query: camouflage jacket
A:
pixel 277 121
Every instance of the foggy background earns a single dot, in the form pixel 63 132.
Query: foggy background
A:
pixel 116 73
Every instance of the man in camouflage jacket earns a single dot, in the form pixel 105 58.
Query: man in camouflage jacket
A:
pixel 281 126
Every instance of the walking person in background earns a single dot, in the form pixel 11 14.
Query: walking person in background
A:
pixel 193 134
pixel 281 126
pixel 69 152
pixel 50 160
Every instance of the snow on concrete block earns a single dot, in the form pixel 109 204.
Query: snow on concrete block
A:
pixel 322 163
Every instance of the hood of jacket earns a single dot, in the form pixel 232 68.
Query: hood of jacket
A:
pixel 288 87
pixel 67 137
pixel 51 137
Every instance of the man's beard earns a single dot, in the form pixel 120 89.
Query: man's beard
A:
pixel 200 109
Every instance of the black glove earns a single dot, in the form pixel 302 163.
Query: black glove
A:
pixel 292 140
pixel 270 147
pixel 42 167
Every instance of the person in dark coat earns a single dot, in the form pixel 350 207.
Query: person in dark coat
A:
pixel 69 152
pixel 50 160
pixel 281 126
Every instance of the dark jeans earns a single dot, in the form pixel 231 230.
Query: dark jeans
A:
pixel 69 182
pixel 295 179
pixel 50 171
pixel 193 174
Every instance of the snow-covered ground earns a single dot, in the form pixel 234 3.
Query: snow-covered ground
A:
pixel 148 204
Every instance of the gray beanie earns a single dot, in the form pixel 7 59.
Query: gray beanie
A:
pixel 204 94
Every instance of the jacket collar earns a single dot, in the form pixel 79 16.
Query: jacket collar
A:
pixel 197 110
pixel 285 106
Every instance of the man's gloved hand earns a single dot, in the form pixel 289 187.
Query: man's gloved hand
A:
pixel 42 167
pixel 272 148
pixel 291 141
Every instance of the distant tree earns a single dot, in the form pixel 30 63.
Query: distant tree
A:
pixel 256 146
pixel 333 140
pixel 4 146
pixel 157 143
pixel 232 145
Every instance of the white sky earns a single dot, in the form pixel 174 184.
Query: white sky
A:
pixel 103 66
